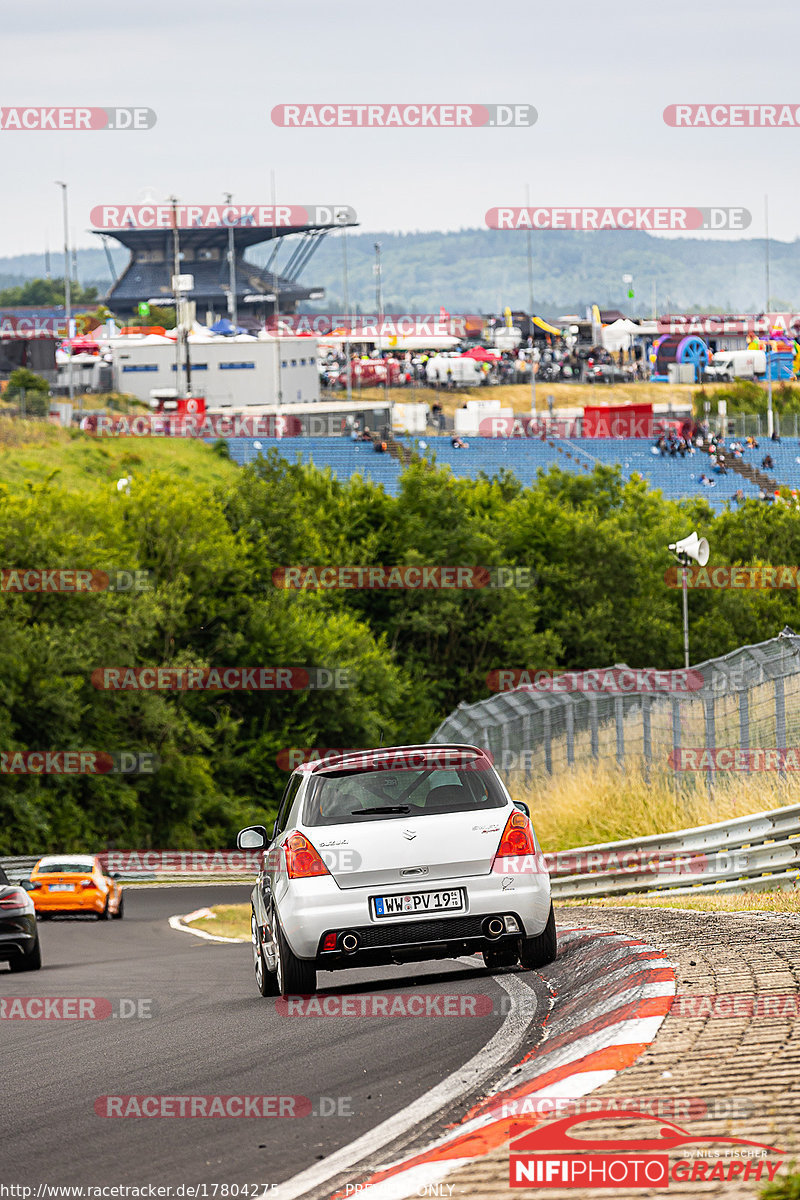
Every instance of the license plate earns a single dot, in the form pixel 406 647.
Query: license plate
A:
pixel 62 887
pixel 452 900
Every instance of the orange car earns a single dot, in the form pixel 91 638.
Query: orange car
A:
pixel 75 883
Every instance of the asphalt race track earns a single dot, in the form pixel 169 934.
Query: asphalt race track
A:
pixel 210 1033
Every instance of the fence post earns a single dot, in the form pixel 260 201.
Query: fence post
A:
pixel 780 721
pixel 593 726
pixel 570 719
pixel 711 738
pixel 618 715
pixel 526 738
pixel 548 757
pixel 744 720
pixel 676 739
pixel 647 741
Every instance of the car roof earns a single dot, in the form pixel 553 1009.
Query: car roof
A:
pixel 429 754
pixel 50 860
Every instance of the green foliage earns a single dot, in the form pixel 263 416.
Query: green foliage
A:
pixel 784 1187
pixel 747 396
pixel 46 293
pixel 31 390
pixel 595 547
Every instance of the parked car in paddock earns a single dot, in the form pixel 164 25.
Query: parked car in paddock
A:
pixel 19 933
pixel 75 883
pixel 396 855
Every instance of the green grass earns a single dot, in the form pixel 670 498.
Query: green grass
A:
pixel 785 902
pixel 32 452
pixel 231 920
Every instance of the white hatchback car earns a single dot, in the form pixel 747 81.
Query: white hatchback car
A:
pixel 397 855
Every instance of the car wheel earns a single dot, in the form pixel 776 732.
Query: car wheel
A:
pixel 28 962
pixel 120 913
pixel 501 956
pixel 266 981
pixel 295 976
pixel 539 951
pixel 103 916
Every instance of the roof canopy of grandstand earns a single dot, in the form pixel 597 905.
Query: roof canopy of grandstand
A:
pixel 204 249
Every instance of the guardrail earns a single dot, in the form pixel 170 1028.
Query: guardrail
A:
pixel 760 852
pixel 754 853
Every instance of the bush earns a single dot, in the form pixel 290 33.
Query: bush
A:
pixel 747 396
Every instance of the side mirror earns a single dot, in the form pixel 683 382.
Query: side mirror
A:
pixel 522 806
pixel 116 875
pixel 27 885
pixel 255 837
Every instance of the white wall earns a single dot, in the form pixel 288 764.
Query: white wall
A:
pixel 140 367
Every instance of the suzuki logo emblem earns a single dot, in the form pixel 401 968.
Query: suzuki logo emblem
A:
pixel 410 834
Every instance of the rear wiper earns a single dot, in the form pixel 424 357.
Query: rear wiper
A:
pixel 379 808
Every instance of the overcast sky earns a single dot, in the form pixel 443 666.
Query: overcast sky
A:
pixel 599 75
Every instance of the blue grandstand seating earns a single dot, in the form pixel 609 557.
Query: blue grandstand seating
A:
pixel 675 477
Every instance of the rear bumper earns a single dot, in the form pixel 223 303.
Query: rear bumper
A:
pixel 311 908
pixel 18 935
pixel 69 902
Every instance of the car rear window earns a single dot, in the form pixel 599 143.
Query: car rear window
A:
pixel 65 868
pixel 352 797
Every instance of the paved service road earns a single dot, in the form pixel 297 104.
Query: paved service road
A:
pixel 210 1033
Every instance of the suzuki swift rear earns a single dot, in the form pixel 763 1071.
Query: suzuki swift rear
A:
pixel 397 855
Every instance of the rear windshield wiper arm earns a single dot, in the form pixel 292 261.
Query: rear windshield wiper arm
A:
pixel 379 808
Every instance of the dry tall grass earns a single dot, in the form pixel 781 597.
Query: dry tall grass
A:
pixel 588 805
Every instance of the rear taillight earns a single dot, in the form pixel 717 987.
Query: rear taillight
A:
pixel 87 883
pixel 302 860
pixel 16 899
pixel 517 837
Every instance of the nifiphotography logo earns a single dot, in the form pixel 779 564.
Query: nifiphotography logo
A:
pixel 552 1156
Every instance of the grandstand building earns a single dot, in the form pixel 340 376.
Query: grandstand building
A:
pixel 261 291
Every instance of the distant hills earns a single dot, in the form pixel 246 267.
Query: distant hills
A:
pixel 482 270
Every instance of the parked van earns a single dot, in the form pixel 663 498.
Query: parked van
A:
pixel 738 364
pixel 466 372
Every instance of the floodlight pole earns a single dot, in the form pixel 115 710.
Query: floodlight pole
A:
pixel 67 290
pixel 685 571
pixel 770 414
pixel 233 311
pixel 530 302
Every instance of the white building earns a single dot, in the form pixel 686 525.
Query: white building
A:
pixel 230 372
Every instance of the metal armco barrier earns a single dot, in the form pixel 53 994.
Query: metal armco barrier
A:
pixel 760 852
pixel 134 866
pixel 755 853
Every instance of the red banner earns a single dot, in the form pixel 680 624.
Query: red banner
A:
pixel 618 421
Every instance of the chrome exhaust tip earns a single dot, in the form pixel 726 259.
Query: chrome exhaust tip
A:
pixel 494 927
pixel 349 943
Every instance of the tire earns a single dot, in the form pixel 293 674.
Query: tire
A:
pixel 120 913
pixel 104 915
pixel 266 981
pixel 539 951
pixel 506 955
pixel 28 962
pixel 295 976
